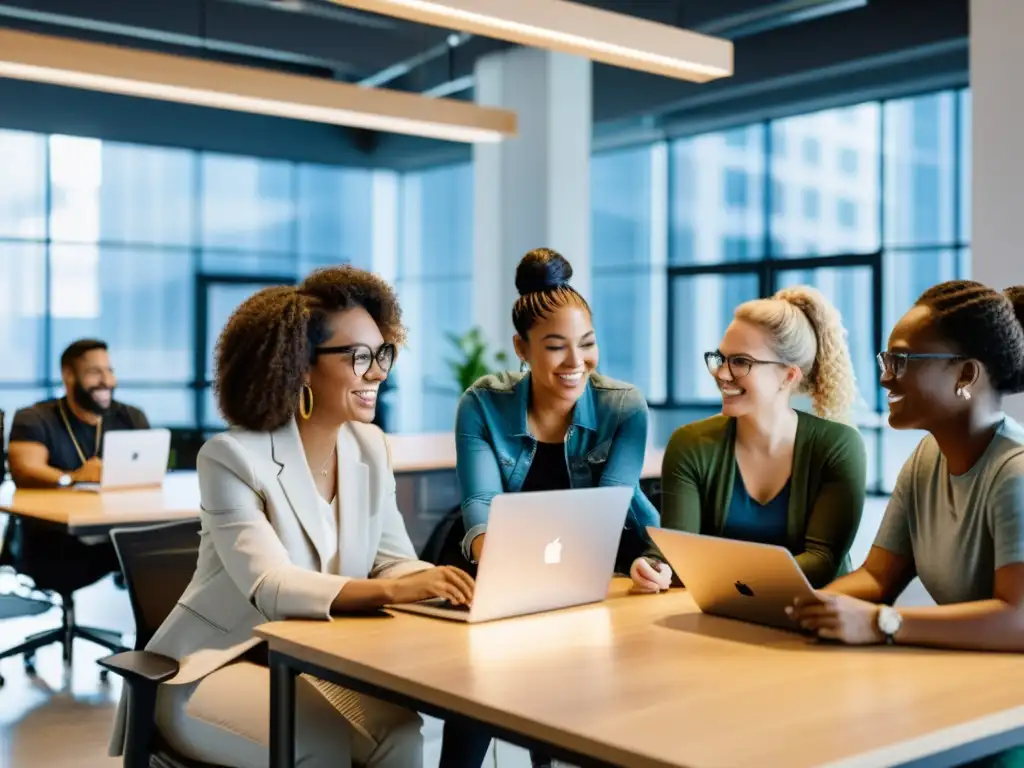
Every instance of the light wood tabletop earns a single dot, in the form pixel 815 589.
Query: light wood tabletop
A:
pixel 647 680
pixel 178 499
pixel 87 511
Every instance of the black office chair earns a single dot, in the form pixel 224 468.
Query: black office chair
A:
pixel 157 562
pixel 36 551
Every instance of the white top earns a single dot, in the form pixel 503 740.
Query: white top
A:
pixel 329 514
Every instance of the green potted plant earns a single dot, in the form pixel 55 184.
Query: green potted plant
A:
pixel 475 360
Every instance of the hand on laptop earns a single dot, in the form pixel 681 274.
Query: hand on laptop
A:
pixel 650 575
pixel 444 581
pixel 90 472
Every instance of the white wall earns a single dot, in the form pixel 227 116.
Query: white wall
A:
pixel 997 64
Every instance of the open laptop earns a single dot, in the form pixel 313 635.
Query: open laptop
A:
pixel 735 579
pixel 545 550
pixel 132 458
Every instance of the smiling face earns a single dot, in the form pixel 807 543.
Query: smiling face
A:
pixel 768 384
pixel 923 394
pixel 339 393
pixel 90 381
pixel 561 351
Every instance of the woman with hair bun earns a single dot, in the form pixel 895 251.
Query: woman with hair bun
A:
pixel 956 515
pixel 557 424
pixel 762 470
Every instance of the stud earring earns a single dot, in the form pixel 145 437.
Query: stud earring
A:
pixel 963 392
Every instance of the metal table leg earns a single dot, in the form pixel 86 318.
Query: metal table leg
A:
pixel 282 712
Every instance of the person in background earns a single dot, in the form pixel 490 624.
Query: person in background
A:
pixel 762 470
pixel 558 425
pixel 56 443
pixel 299 521
pixel 956 515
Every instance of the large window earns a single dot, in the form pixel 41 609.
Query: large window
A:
pixel 128 243
pixel 868 203
pixel 435 273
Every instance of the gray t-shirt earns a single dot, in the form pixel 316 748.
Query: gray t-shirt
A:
pixel 959 529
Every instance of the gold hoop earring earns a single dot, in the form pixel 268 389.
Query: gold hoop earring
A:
pixel 306 410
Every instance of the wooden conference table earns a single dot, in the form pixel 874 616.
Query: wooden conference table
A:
pixel 647 681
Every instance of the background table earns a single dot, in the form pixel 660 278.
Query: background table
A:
pixel 84 513
pixel 648 681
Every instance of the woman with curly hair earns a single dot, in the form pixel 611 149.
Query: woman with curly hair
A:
pixel 299 521
pixel 762 470
pixel 956 515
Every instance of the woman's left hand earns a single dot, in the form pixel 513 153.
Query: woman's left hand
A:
pixel 838 617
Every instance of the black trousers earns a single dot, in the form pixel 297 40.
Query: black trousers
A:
pixel 465 746
pixel 55 560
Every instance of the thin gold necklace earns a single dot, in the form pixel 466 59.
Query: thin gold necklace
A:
pixel 323 469
pixel 71 433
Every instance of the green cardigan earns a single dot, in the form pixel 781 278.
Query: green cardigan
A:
pixel 826 492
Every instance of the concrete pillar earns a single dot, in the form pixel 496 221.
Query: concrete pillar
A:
pixel 534 190
pixel 997 62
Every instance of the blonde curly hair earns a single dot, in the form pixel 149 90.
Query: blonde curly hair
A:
pixel 807 332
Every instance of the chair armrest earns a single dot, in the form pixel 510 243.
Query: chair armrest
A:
pixel 141 668
pixel 142 671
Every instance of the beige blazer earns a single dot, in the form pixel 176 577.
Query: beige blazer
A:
pixel 263 543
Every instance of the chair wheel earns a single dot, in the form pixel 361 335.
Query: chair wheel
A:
pixel 104 675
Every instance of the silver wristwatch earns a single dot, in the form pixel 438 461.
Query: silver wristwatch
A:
pixel 889 622
pixel 64 481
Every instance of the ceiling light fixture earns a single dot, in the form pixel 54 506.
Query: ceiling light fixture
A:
pixel 559 25
pixel 115 69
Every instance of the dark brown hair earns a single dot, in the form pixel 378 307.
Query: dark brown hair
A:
pixel 76 350
pixel 266 348
pixel 982 324
pixel 542 279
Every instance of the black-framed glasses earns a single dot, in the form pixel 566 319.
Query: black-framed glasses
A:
pixel 738 365
pixel 896 362
pixel 363 356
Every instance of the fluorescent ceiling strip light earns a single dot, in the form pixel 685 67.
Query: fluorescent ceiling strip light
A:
pixel 559 25
pixel 114 69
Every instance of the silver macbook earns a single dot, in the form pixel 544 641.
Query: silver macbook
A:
pixel 132 458
pixel 545 550
pixel 735 579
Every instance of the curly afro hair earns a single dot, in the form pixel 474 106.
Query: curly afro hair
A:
pixel 983 324
pixel 266 348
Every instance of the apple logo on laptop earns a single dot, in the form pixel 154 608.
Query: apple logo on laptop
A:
pixel 553 552
pixel 744 590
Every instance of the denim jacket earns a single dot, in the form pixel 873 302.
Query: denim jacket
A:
pixel 604 446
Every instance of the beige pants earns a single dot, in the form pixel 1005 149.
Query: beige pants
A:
pixel 225 717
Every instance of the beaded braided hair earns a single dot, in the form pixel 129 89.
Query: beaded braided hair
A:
pixel 983 324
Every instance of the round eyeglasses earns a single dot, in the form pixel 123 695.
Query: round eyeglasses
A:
pixel 363 356
pixel 738 365
pixel 896 362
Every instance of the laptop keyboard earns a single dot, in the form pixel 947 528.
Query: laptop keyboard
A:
pixel 447 605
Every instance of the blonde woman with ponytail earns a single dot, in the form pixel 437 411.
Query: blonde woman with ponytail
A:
pixel 762 470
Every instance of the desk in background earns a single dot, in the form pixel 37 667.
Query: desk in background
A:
pixel 435 452
pixel 86 513
pixel 647 681
pixel 424 467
